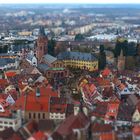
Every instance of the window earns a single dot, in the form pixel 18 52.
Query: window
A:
pixel 29 115
pixel 38 115
pixel 34 115
pixel 43 115
pixel 10 123
pixel 5 122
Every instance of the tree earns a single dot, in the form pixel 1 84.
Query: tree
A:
pixel 121 45
pixel 102 58
pixel 79 37
pixel 51 46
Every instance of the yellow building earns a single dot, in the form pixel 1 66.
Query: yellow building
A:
pixel 25 33
pixel 79 60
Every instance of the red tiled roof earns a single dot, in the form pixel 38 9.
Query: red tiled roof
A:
pixel 3 82
pixel 107 92
pixel 112 109
pixel 6 113
pixel 39 136
pixel 100 110
pixel 106 72
pixel 136 130
pixel 4 103
pixel 10 74
pixel 101 128
pixel 58 105
pixel 30 102
pixel 19 104
pixel 107 136
pixel 103 82
pixel 72 122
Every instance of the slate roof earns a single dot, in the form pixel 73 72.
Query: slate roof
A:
pixel 49 58
pixel 43 67
pixel 30 57
pixel 5 61
pixel 76 56
pixel 125 112
pixel 17 48
pixel 132 100
pixel 7 54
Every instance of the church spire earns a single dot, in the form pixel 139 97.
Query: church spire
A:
pixel 42 31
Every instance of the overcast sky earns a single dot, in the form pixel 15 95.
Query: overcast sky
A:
pixel 70 1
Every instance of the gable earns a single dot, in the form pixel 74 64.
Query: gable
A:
pixel 10 100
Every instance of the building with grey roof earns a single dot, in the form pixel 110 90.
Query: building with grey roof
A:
pixel 79 60
pixel 49 59
pixel 6 63
pixel 77 56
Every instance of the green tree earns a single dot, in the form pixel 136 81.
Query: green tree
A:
pixel 79 37
pixel 102 58
pixel 51 46
pixel 121 45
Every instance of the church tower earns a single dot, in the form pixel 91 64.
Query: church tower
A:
pixel 121 61
pixel 41 44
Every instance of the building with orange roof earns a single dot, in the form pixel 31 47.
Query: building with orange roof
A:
pixel 73 128
pixel 7 118
pixel 103 132
pixel 10 74
pixel 112 111
pixel 120 88
pixel 3 84
pixel 38 136
pixel 58 107
pixel 3 105
pixel 35 104
pixel 103 82
pixel 106 73
pixel 136 132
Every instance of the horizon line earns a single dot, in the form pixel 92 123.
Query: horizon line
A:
pixel 75 3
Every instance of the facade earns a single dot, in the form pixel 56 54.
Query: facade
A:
pixel 36 115
pixel 58 108
pixel 6 122
pixel 51 67
pixel 8 119
pixel 80 60
pixel 41 44
pixel 57 73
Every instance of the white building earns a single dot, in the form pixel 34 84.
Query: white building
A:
pixel 6 122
